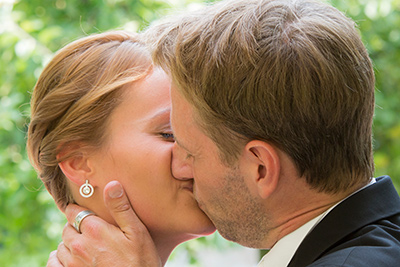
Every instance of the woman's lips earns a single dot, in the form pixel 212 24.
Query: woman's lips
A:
pixel 188 185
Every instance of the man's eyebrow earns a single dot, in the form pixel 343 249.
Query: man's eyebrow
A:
pixel 179 143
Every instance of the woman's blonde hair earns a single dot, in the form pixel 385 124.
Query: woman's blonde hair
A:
pixel 74 97
pixel 292 73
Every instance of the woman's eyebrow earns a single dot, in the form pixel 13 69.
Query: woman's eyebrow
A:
pixel 161 113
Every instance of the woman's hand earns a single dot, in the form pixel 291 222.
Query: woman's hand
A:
pixel 103 244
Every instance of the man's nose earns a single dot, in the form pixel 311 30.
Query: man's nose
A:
pixel 181 166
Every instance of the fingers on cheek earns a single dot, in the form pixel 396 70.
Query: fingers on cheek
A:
pixel 76 254
pixel 72 253
pixel 65 232
pixel 81 245
pixel 79 250
pixel 93 229
pixel 63 254
pixel 53 261
pixel 62 249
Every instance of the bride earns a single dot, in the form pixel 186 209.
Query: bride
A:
pixel 100 112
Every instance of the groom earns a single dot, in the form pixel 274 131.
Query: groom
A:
pixel 272 107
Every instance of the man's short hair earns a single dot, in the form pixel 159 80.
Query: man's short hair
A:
pixel 291 73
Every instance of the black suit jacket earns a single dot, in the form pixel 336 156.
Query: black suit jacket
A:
pixel 363 230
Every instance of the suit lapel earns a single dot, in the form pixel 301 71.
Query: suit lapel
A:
pixel 370 204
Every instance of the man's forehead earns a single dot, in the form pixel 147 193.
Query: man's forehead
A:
pixel 181 111
pixel 179 126
pixel 182 123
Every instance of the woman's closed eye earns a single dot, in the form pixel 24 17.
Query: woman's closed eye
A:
pixel 168 137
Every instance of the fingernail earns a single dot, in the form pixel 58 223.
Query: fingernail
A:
pixel 115 191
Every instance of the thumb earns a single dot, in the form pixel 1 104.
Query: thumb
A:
pixel 121 210
pixel 134 230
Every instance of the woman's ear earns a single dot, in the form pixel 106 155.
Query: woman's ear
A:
pixel 265 166
pixel 75 167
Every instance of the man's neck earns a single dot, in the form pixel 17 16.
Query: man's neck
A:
pixel 300 205
pixel 293 222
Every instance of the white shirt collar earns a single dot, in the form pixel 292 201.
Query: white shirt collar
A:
pixel 283 251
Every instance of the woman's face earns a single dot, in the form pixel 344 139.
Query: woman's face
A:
pixel 137 153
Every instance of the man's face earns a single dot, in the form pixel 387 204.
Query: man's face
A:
pixel 220 190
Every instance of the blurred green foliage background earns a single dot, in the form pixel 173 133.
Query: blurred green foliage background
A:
pixel 31 31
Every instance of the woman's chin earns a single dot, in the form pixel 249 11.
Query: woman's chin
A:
pixel 207 228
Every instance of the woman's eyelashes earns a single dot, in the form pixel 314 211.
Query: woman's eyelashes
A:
pixel 168 137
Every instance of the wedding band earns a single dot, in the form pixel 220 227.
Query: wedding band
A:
pixel 79 218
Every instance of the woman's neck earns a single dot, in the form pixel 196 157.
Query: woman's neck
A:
pixel 166 244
